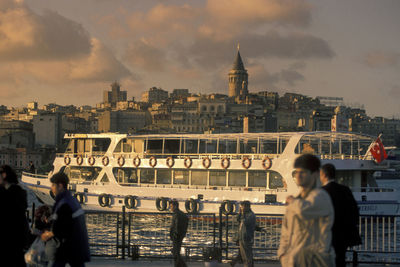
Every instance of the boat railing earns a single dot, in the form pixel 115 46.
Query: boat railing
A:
pixel 84 155
pixel 252 156
pixel 34 175
pixel 372 189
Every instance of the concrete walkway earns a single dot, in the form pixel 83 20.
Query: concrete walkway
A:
pixel 101 262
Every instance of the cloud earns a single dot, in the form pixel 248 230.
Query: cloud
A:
pixel 100 65
pixel 210 53
pixel 381 59
pixel 25 35
pixel 394 91
pixel 146 56
pixel 226 18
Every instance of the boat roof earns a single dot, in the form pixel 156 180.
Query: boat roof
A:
pixel 320 135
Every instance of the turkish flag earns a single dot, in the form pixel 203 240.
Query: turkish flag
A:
pixel 378 151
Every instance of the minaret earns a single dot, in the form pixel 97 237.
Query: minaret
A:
pixel 238 77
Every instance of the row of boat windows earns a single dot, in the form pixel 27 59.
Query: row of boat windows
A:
pixel 202 146
pixel 127 176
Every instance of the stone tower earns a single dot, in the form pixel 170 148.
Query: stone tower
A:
pixel 238 78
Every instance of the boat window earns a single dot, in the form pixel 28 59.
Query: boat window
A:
pixel 126 175
pixel 88 145
pixel 191 146
pixel 138 146
pixel 70 146
pixel 237 178
pixel 81 145
pixel 257 179
pixel 154 146
pixel 275 180
pixel 208 146
pixel 248 146
pixel 164 176
pixel 268 146
pixel 78 174
pixel 105 179
pixel 125 145
pixel 199 178
pixel 171 146
pixel 147 176
pixel 101 144
pixel 227 146
pixel 181 177
pixel 345 178
pixel 218 178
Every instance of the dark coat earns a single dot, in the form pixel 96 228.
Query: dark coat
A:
pixel 69 228
pixel 179 226
pixel 344 230
pixel 247 226
pixel 14 224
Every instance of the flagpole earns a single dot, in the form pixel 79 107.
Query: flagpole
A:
pixel 369 148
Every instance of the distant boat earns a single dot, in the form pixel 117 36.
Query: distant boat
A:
pixel 206 172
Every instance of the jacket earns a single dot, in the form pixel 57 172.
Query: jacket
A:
pixel 69 228
pixel 306 231
pixel 179 226
pixel 344 230
pixel 247 225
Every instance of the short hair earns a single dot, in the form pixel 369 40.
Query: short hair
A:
pixel 11 176
pixel 60 178
pixel 329 170
pixel 308 162
pixel 174 203
pixel 245 203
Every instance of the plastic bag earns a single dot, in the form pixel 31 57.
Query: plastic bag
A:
pixel 36 253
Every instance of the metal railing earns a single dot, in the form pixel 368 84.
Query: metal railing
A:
pixel 131 234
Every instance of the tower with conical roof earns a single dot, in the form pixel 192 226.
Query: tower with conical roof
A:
pixel 238 77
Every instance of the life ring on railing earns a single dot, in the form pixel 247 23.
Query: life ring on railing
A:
pixel 225 163
pixel 105 160
pixel 80 197
pixel 162 203
pixel 206 162
pixel 91 160
pixel 79 160
pixel 152 161
pixel 246 162
pixel 105 200
pixel 266 163
pixel 130 201
pixel 136 161
pixel 121 161
pixel 170 162
pixel 67 160
pixel 192 206
pixel 227 207
pixel 187 162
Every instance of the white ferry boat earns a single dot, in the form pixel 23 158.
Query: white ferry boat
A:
pixel 207 171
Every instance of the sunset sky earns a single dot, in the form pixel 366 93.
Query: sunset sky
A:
pixel 69 51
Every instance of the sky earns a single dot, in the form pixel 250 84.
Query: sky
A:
pixel 70 51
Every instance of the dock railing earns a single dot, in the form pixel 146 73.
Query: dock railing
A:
pixel 135 235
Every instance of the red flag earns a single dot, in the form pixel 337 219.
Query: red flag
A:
pixel 378 151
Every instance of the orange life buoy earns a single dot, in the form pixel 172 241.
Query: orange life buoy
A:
pixel 266 163
pixel 79 160
pixel 152 161
pixel 136 161
pixel 67 160
pixel 170 162
pixel 206 162
pixel 225 163
pixel 246 162
pixel 121 161
pixel 187 162
pixel 105 160
pixel 91 160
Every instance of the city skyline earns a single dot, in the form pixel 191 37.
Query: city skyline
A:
pixel 69 52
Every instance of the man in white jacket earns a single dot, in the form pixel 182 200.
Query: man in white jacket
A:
pixel 306 229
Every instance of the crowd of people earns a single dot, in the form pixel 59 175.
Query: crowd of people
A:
pixel 319 225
